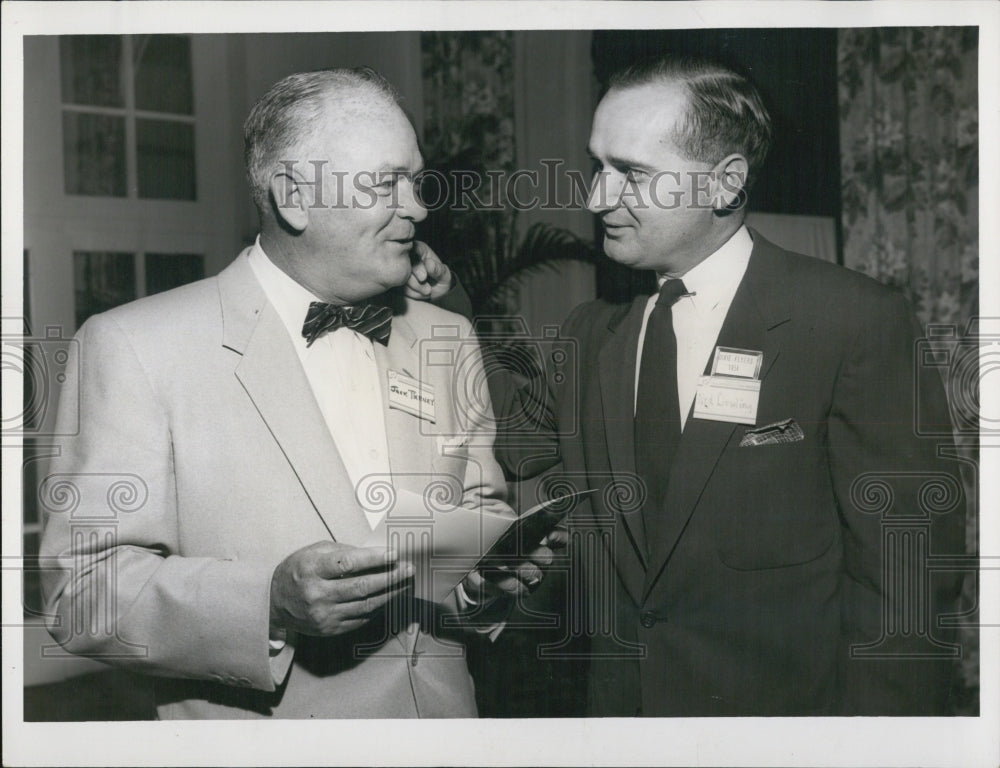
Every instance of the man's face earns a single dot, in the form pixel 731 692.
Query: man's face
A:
pixel 645 192
pixel 361 223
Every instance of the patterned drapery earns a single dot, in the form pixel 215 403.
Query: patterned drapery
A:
pixel 469 131
pixel 909 143
pixel 909 163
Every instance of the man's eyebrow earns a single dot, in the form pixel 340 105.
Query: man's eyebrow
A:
pixel 618 161
pixel 398 169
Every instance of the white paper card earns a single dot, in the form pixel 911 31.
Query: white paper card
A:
pixel 720 398
pixel 411 395
pixel 742 363
pixel 444 543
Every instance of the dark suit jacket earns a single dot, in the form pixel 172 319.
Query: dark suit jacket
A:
pixel 771 561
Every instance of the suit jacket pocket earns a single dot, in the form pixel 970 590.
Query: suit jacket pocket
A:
pixel 778 433
pixel 780 510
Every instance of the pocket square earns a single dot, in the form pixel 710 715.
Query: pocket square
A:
pixel 787 431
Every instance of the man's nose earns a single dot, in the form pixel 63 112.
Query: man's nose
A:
pixel 410 205
pixel 605 192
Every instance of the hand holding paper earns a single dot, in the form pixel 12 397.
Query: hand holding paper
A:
pixel 447 544
pixel 329 588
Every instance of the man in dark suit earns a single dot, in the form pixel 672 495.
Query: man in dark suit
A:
pixel 762 406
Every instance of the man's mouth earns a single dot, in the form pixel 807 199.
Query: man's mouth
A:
pixel 613 230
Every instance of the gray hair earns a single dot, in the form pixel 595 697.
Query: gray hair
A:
pixel 291 112
pixel 725 113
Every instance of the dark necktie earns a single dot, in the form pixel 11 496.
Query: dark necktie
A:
pixel 370 320
pixel 657 414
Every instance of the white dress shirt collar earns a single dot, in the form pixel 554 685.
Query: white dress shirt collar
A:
pixel 698 316
pixel 290 299
pixel 716 278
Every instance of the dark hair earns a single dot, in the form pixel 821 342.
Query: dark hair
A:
pixel 291 111
pixel 724 114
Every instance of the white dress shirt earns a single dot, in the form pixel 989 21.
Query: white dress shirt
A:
pixel 342 373
pixel 698 317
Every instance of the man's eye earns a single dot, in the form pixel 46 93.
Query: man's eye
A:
pixel 634 176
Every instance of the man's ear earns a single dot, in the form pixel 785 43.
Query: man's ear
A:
pixel 730 183
pixel 290 204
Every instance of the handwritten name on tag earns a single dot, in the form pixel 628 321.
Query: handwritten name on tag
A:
pixel 410 395
pixel 742 363
pixel 726 399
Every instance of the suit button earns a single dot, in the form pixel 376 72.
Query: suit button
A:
pixel 648 619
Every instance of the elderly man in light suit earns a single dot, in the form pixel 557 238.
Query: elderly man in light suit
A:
pixel 242 412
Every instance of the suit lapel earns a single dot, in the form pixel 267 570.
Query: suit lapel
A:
pixel 272 375
pixel 616 366
pixel 402 430
pixel 756 320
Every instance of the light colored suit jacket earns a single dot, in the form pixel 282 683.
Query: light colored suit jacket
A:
pixel 200 461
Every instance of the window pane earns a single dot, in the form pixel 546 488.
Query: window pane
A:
pixel 91 70
pixel 94 154
pixel 163 73
pixel 169 270
pixel 103 280
pixel 166 159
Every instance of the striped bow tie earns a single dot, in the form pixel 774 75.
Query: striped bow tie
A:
pixel 370 320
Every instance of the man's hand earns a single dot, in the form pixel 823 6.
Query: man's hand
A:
pixel 519 579
pixel 430 278
pixel 329 588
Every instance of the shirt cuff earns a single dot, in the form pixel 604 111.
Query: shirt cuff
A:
pixel 277 640
pixel 280 654
pixel 464 601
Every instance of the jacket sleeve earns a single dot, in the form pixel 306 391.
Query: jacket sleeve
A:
pixel 118 589
pixel 524 388
pixel 900 504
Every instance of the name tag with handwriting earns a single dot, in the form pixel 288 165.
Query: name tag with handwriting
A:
pixel 410 395
pixel 719 398
pixel 732 390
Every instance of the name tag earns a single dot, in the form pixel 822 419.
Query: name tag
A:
pixel 743 363
pixel 410 395
pixel 718 398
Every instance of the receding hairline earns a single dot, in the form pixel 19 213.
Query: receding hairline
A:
pixel 675 85
pixel 677 132
pixel 341 111
pixel 344 104
pixel 672 83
